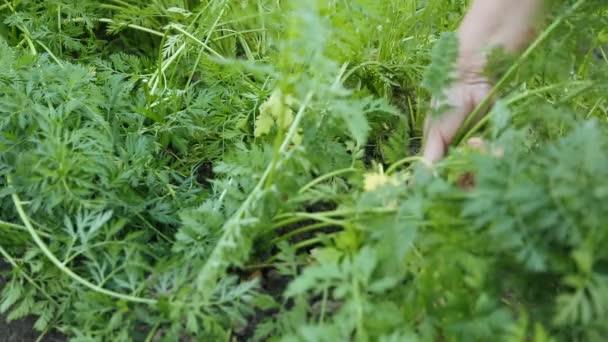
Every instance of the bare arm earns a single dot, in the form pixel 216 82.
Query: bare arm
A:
pixel 509 24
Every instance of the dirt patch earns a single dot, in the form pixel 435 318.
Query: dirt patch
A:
pixel 23 331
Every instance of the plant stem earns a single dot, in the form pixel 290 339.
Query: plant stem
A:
pixel 321 218
pixel 302 230
pixel 343 212
pixel 45 250
pixel 323 306
pixel 20 227
pixel 528 93
pixel 309 242
pixel 396 165
pixel 149 225
pixel 196 40
pixel 152 332
pixel 286 222
pixel 132 26
pixel 324 177
pixel 50 53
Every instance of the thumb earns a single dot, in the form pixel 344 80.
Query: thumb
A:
pixel 434 145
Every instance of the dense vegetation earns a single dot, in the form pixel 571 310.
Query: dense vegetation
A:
pixel 246 169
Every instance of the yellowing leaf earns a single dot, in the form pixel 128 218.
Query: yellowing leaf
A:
pixel 275 110
pixel 263 124
pixel 375 180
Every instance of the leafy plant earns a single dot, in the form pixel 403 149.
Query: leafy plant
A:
pixel 246 170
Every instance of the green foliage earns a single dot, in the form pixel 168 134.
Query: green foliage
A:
pixel 440 73
pixel 160 159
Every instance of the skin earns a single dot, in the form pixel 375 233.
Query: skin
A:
pixel 507 24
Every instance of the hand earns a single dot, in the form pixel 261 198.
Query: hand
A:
pixel 489 23
pixel 462 97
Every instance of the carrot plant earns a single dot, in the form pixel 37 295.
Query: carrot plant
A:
pixel 247 170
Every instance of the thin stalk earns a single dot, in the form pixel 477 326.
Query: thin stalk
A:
pixel 30 43
pixel 343 212
pixel 200 53
pixel 595 106
pixel 59 28
pixel 324 177
pixel 196 40
pixel 135 27
pixel 159 68
pixel 309 242
pixel 125 4
pixel 149 225
pixel 286 222
pixel 360 333
pixel 546 89
pixel 152 332
pixel 360 66
pixel 264 265
pixel 20 227
pixel 45 250
pixel 302 230
pixel 40 337
pixel 604 55
pixel 200 14
pixel 236 33
pixel 164 66
pixel 412 113
pixel 50 53
pixel 194 67
pixel 131 26
pixel 323 306
pixel 403 161
pixel 321 218
pixel 9 5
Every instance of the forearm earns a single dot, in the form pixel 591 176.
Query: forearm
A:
pixel 508 24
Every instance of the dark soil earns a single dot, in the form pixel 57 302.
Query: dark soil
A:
pixel 21 330
pixel 205 174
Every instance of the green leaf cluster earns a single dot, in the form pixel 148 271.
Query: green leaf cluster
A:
pixel 244 170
